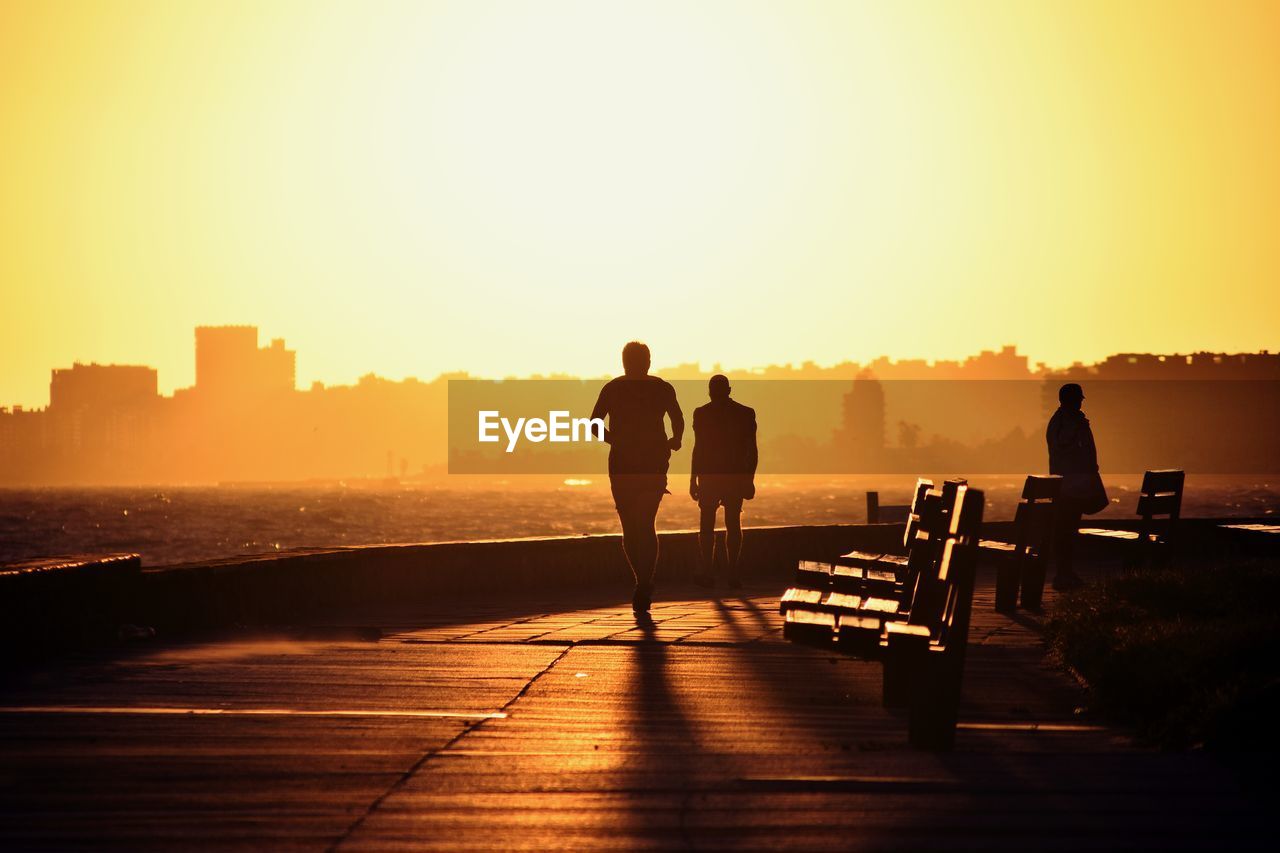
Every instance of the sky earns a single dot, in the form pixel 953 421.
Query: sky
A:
pixel 516 188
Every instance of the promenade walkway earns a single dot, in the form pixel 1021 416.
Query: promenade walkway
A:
pixel 560 724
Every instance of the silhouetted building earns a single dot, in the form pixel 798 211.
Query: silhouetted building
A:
pixel 229 363
pixel 988 364
pixel 860 436
pixel 1200 365
pixel 101 386
pixel 100 418
pixel 244 420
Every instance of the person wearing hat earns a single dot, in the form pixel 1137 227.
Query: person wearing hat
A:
pixel 1073 455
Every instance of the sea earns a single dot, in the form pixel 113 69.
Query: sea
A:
pixel 172 525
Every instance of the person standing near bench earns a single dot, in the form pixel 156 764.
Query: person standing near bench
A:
pixel 1073 455
pixel 723 475
pixel 639 454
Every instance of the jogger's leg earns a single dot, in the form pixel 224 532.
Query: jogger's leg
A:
pixel 640 543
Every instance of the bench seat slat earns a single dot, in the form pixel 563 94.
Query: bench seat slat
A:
pixel 866 559
pixel 882 605
pixel 808 616
pixel 1110 534
pixel 840 573
pixel 798 597
pixel 1253 528
pixel 858 558
pixel 864 606
pixel 853 622
pixel 843 601
pixel 880 583
pixel 906 628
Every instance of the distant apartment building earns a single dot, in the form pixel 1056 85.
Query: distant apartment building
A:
pixel 101 386
pixel 1199 365
pixel 229 363
pixel 103 409
pixel 1194 366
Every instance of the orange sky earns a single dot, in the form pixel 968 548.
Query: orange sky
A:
pixel 510 188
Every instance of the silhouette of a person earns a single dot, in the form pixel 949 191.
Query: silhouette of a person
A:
pixel 639 452
pixel 1073 455
pixel 723 474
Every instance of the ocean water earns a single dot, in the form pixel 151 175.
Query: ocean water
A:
pixel 184 524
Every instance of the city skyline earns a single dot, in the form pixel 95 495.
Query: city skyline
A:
pixel 1006 362
pixel 245 419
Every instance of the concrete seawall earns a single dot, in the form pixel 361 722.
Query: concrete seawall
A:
pixel 58 603
pixel 48 605
pixel 53 604
pixel 285 588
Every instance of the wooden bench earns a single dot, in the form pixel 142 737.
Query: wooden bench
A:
pixel 815 579
pixel 1159 508
pixel 1251 538
pixel 866 605
pixel 1021 563
pixel 915 621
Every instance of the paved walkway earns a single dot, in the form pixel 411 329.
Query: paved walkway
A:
pixel 560 724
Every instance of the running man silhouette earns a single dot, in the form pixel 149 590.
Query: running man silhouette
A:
pixel 723 475
pixel 639 453
pixel 1072 454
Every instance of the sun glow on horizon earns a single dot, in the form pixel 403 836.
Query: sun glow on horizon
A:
pixel 414 188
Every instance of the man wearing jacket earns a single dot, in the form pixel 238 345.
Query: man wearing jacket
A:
pixel 723 474
pixel 1073 455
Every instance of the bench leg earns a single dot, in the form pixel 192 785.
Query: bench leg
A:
pixel 1033 583
pixel 1007 585
pixel 904 662
pixel 935 704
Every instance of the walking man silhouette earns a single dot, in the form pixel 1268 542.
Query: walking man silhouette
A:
pixel 639 453
pixel 1073 455
pixel 723 475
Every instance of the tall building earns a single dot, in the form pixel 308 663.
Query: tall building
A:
pixel 861 435
pixel 229 363
pixel 101 386
pixel 101 414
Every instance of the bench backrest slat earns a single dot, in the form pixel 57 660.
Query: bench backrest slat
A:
pixel 1042 487
pixel 1033 520
pixel 923 488
pixel 1166 504
pixel 1159 507
pixel 962 508
pixel 950 622
pixel 1164 481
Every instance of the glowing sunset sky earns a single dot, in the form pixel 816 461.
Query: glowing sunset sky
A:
pixel 516 187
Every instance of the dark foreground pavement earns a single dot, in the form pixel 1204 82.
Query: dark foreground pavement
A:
pixel 561 724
